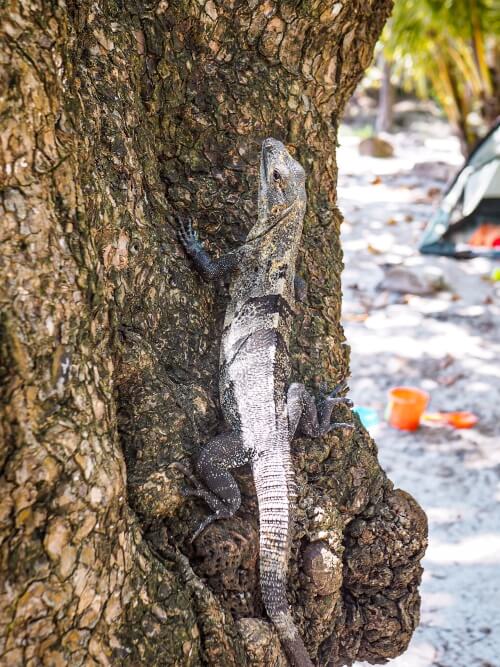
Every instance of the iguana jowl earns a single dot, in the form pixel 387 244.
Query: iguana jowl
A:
pixel 262 410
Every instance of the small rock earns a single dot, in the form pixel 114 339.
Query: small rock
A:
pixel 376 147
pixel 407 281
pixel 438 171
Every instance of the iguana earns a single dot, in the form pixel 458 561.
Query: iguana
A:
pixel 262 410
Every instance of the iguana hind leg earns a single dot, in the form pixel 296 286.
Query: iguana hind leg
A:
pixel 307 417
pixel 221 491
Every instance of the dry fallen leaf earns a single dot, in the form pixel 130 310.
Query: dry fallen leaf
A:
pixel 446 361
pixel 448 380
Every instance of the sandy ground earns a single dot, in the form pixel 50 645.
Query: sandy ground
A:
pixel 449 345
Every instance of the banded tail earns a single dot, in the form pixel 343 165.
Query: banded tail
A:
pixel 275 518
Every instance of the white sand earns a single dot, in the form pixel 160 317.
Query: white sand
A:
pixel 449 345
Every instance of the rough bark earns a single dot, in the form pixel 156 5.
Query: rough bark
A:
pixel 115 117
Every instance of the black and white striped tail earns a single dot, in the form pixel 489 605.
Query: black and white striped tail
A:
pixel 274 517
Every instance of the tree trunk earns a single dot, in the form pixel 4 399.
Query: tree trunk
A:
pixel 384 119
pixel 116 116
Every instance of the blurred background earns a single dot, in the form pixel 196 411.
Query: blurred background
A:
pixel 431 322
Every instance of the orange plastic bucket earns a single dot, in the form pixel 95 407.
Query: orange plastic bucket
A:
pixel 406 407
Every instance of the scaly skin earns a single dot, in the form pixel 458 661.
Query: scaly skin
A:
pixel 262 410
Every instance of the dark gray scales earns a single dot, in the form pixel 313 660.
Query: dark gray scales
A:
pixel 208 268
pixel 269 304
pixel 212 269
pixel 220 490
pixel 262 409
pixel 310 418
pixel 226 451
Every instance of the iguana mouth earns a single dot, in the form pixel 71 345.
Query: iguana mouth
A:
pixel 264 160
pixel 264 166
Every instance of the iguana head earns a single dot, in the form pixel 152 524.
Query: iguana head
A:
pixel 282 181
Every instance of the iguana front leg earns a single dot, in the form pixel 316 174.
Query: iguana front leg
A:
pixel 309 418
pixel 220 455
pixel 210 269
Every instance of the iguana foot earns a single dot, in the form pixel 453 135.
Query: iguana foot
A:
pixel 184 470
pixel 187 235
pixel 325 408
pixel 310 418
pixel 209 268
pixel 334 399
pixel 220 514
pixel 199 490
pixel 219 488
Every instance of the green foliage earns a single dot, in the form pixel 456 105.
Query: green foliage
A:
pixel 439 47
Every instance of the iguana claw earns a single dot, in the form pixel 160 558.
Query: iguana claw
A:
pixel 187 235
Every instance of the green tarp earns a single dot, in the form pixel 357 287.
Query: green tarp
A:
pixel 471 203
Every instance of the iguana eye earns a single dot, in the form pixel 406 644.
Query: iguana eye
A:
pixel 276 175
